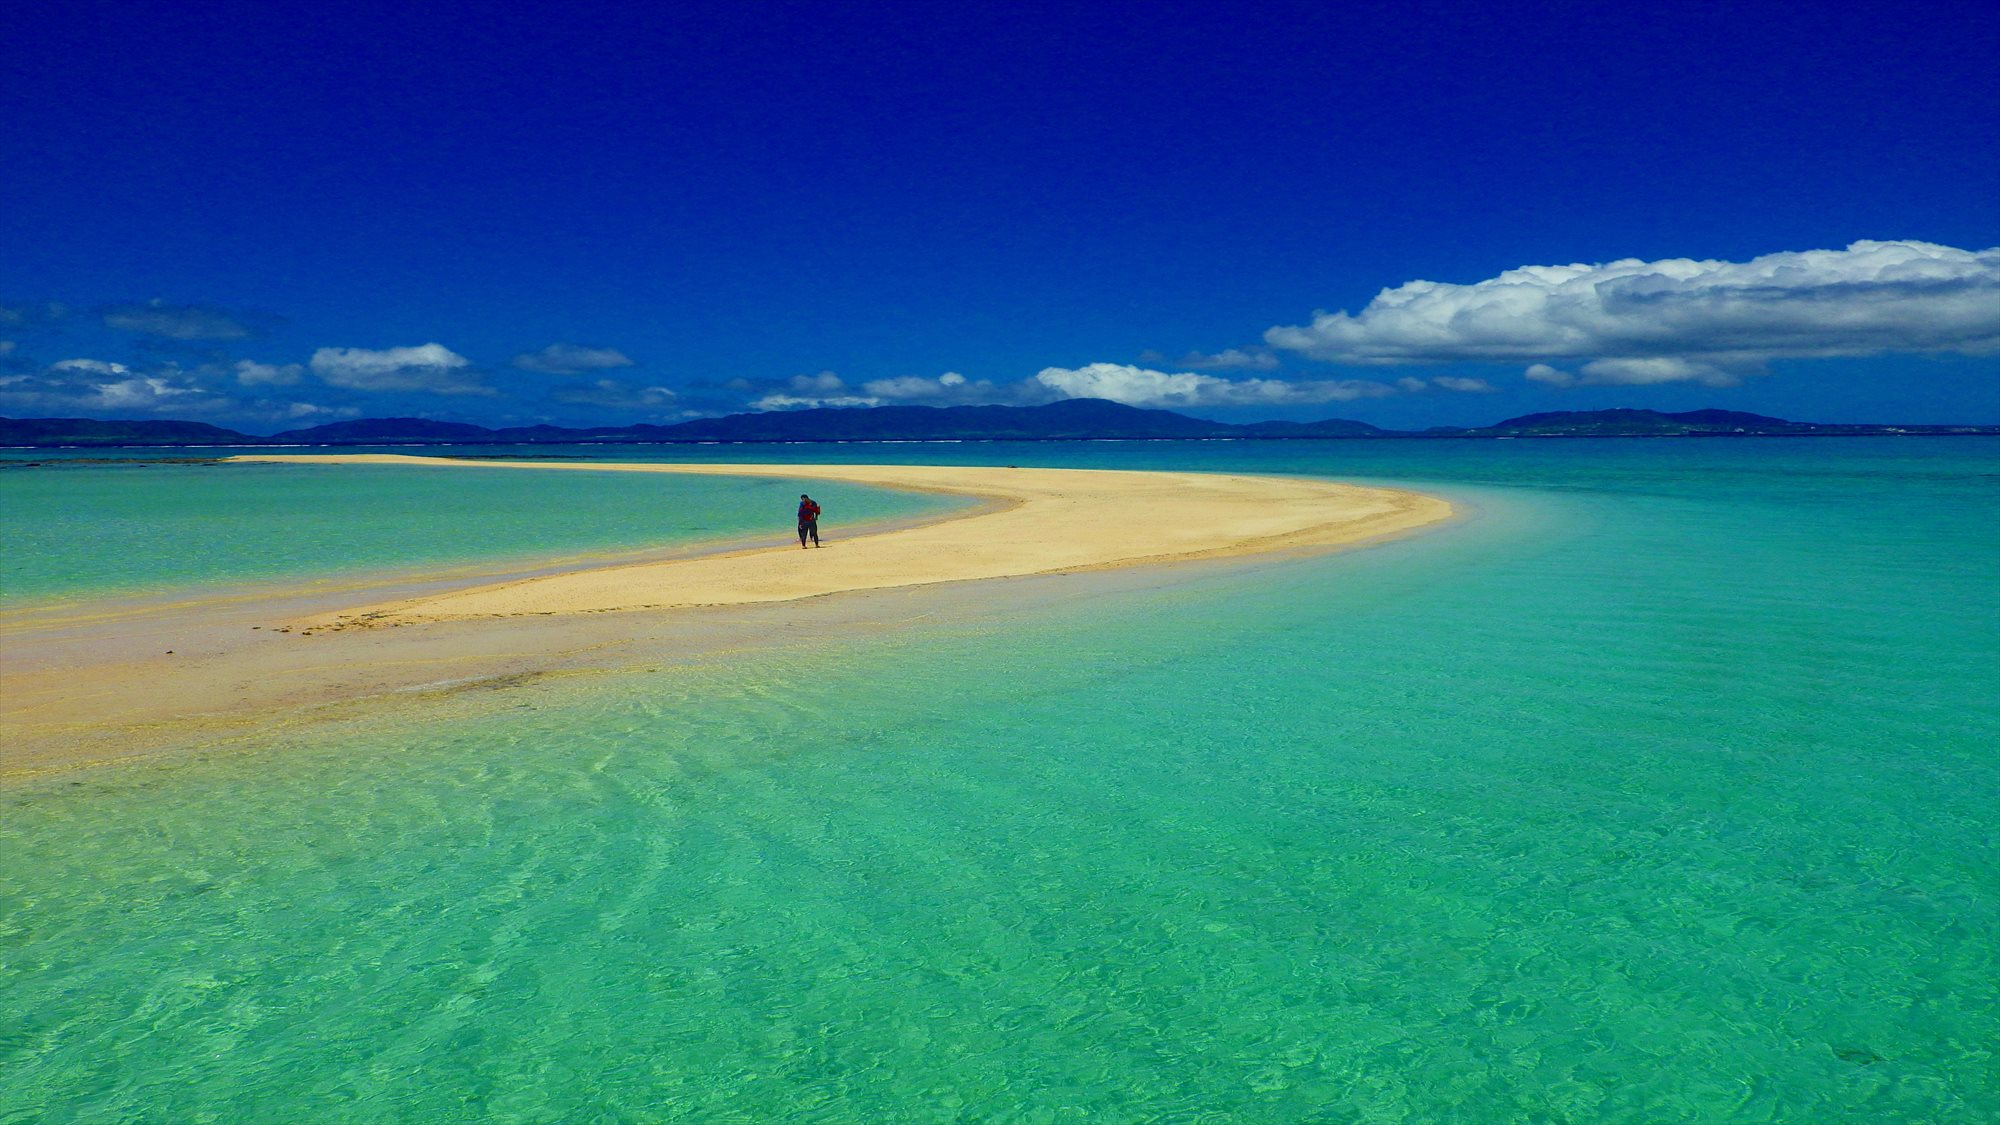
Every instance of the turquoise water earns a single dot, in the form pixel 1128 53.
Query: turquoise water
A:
pixel 1660 789
pixel 79 530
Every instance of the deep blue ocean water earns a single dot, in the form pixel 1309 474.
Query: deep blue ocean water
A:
pixel 1661 787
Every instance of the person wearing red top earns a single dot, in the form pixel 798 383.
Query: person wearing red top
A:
pixel 808 521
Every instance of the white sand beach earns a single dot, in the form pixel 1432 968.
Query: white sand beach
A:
pixel 201 671
pixel 1037 521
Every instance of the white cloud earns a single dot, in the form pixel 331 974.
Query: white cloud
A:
pixel 101 388
pixel 175 322
pixel 295 410
pixel 144 392
pixel 1139 386
pixel 1635 372
pixel 797 402
pixel 809 391
pixel 905 387
pixel 253 374
pixel 90 367
pixel 1458 383
pixel 1231 359
pixel 948 389
pixel 428 367
pixel 615 395
pixel 915 386
pixel 1463 385
pixel 1720 319
pixel 1640 371
pixel 571 359
pixel 1126 383
pixel 94 385
pixel 826 382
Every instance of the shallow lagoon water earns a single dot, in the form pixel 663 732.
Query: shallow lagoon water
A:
pixel 77 529
pixel 1659 789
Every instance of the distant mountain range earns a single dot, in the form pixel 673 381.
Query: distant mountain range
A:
pixel 1071 419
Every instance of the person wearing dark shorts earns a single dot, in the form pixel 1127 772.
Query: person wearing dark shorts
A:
pixel 808 521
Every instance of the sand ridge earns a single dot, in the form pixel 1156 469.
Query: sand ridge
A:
pixel 1034 521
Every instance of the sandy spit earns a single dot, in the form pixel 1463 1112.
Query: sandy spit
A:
pixel 1036 521
pixel 208 675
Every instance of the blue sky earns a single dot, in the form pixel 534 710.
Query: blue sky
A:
pixel 277 215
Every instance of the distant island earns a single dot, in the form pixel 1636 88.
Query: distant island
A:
pixel 1069 420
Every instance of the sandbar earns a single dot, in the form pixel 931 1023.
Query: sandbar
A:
pixel 232 670
pixel 1035 521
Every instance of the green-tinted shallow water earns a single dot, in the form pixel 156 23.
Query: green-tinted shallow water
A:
pixel 80 530
pixel 1661 790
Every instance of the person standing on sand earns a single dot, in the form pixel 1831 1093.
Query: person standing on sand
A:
pixel 808 521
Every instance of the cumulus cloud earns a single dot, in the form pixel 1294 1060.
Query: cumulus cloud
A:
pixel 174 322
pixel 90 367
pixel 95 385
pixel 808 391
pixel 1640 371
pixel 778 400
pixel 1457 383
pixel 253 374
pixel 948 389
pixel 826 382
pixel 1634 373
pixel 1463 385
pixel 145 392
pixel 1229 359
pixel 915 386
pixel 433 368
pixel 294 411
pixel 1139 386
pixel 612 394
pixel 571 359
pixel 1127 383
pixel 828 389
pixel 102 388
pixel 1718 320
